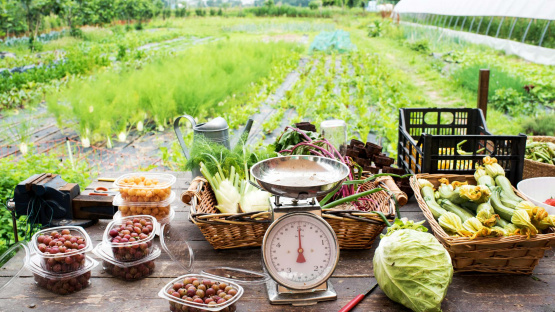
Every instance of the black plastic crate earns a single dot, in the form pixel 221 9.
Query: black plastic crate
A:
pixel 428 139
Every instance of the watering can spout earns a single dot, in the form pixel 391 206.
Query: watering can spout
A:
pixel 216 130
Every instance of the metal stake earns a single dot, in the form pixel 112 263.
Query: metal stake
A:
pixel 462 25
pixel 479 24
pixel 471 24
pixel 489 25
pixel 526 31
pixel 456 21
pixel 512 27
pixel 450 20
pixel 544 31
pixel 499 28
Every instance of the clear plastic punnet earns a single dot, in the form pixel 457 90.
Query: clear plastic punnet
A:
pixel 145 187
pixel 131 238
pixel 213 300
pixel 127 271
pixel 65 283
pixel 62 249
pixel 161 210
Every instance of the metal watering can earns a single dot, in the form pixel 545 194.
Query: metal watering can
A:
pixel 215 130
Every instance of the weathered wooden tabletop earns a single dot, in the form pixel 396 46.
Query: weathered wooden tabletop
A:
pixel 354 275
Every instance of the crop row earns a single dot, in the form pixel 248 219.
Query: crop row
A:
pixel 196 84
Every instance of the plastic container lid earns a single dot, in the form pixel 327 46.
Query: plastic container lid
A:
pixel 12 262
pixel 179 250
pixel 34 266
pixel 119 201
pixel 80 230
pixel 104 252
pixel 163 293
pixel 164 180
pixel 172 240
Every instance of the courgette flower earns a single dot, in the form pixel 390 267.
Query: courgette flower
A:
pixel 493 169
pixel 535 213
pixel 486 215
pixel 479 230
pixel 547 222
pixel 470 192
pixel 482 177
pixel 510 229
pixel 457 184
pixel 451 223
pixel 423 183
pixel 522 221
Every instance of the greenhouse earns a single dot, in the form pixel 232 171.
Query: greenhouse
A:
pixel 295 155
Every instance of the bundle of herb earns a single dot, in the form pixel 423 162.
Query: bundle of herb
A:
pixel 212 154
pixel 228 174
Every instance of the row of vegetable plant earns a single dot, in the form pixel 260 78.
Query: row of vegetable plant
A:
pixel 196 85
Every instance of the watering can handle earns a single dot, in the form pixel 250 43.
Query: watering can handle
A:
pixel 180 135
pixel 246 131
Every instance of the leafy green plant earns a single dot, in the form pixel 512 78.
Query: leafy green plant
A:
pixel 420 45
pixel 510 101
pixel 543 124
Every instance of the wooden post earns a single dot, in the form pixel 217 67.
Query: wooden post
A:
pixel 483 88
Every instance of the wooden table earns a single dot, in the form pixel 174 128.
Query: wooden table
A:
pixel 468 292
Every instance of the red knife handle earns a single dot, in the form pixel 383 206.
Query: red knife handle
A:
pixel 352 303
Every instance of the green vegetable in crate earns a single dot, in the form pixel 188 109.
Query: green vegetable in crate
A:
pixel 474 226
pixel 412 267
pixel 538 216
pixel 450 191
pixel 522 221
pixel 502 210
pixel 482 177
pixel 463 213
pixel 486 214
pixel 427 190
pixel 507 188
pixel 475 193
pixel 452 224
pixel 493 169
pixel 541 151
pixel 546 223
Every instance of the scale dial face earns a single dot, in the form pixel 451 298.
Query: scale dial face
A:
pixel 300 250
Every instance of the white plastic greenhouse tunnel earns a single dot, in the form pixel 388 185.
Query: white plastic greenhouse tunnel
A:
pixel 523 28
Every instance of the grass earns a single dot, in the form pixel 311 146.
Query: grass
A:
pixel 499 79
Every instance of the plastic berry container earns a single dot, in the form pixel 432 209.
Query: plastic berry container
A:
pixel 127 271
pixel 64 283
pixel 128 239
pixel 177 304
pixel 145 187
pixel 160 210
pixel 62 249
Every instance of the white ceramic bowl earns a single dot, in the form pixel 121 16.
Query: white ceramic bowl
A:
pixel 538 190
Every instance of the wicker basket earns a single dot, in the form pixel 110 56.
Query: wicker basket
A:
pixel 225 230
pixel 354 229
pixel 536 169
pixel 358 229
pixel 510 254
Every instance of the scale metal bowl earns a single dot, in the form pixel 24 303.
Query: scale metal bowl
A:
pixel 299 177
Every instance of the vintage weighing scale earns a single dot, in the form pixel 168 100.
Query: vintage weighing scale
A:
pixel 300 249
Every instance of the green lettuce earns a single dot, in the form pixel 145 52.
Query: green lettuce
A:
pixel 413 269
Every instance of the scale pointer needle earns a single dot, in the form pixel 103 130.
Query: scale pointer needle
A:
pixel 300 258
